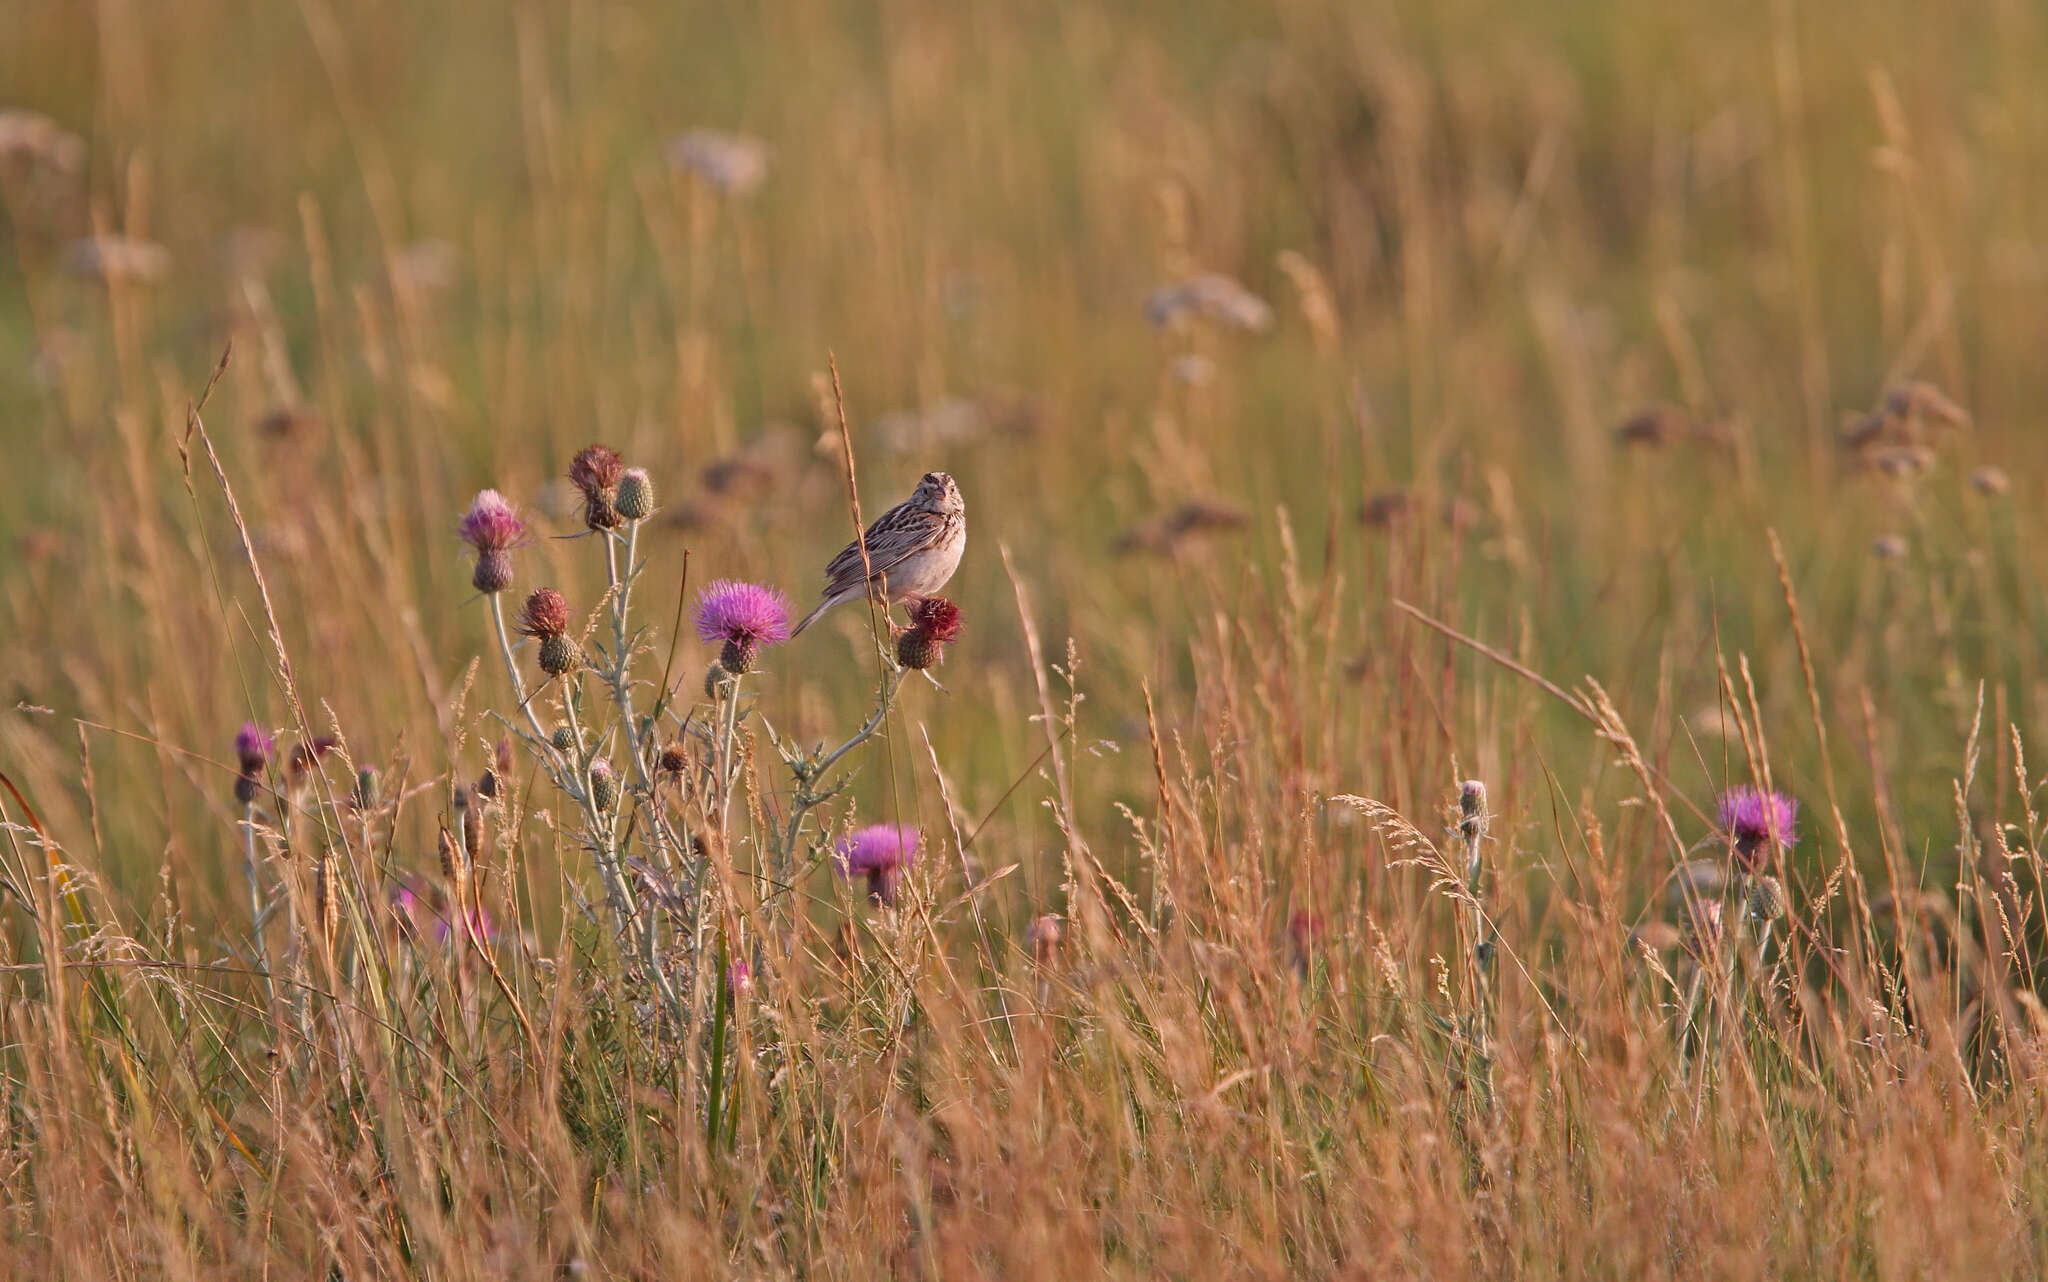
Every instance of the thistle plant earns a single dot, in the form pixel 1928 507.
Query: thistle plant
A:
pixel 254 748
pixel 652 788
pixel 1727 911
pixel 880 855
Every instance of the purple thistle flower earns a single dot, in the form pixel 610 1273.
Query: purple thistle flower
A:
pixel 423 914
pixel 881 853
pixel 1754 821
pixel 492 524
pixel 481 928
pixel 493 527
pixel 746 616
pixel 253 746
pixel 253 750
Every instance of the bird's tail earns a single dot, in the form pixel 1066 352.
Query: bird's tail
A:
pixel 812 617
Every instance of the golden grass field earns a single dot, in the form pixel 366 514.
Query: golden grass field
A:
pixel 1612 406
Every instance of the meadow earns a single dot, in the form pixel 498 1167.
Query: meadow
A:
pixel 1496 719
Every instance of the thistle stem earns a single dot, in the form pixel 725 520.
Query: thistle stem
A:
pixel 622 597
pixel 258 912
pixel 512 669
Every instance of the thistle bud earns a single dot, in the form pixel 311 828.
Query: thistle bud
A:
pixel 365 795
pixel 916 650
pixel 493 571
pixel 563 739
pixel 738 656
pixel 557 655
pixel 1044 937
pixel 1766 899
pixel 673 760
pixel 715 679
pixel 604 785
pixel 635 499
pixel 1471 809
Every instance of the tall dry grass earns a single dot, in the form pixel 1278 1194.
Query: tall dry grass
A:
pixel 1246 606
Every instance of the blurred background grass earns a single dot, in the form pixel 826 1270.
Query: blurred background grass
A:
pixel 450 248
pixel 1576 311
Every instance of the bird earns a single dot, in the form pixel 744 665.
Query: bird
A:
pixel 912 549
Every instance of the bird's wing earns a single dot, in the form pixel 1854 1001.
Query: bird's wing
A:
pixel 887 548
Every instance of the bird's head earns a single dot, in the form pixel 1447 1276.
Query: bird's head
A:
pixel 937 493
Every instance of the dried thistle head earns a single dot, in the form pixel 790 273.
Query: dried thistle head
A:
pixel 1699 928
pixel 545 617
pixel 1213 297
pixel 596 471
pixel 1387 509
pixel 545 614
pixel 934 625
pixel 734 164
pixel 307 755
pixel 1305 932
pixel 491 784
pixel 1163 535
pixel 1921 399
pixel 1990 481
pixel 1655 425
pixel 1900 462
